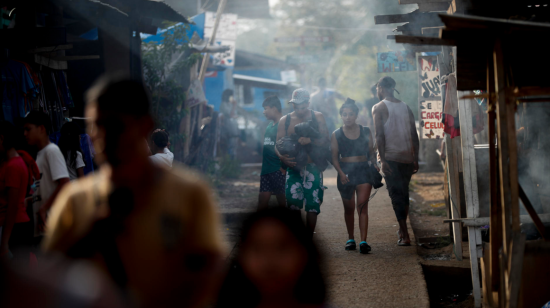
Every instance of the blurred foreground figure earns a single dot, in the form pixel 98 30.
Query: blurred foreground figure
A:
pixel 153 231
pixel 277 265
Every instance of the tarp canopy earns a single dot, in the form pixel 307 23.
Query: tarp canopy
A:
pixel 244 8
pixel 197 27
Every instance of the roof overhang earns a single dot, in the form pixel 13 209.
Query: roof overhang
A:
pixel 262 82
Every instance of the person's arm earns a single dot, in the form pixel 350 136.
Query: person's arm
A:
pixel 43 211
pixel 380 137
pixel 60 176
pixel 372 155
pixel 289 161
pixel 13 203
pixel 415 140
pixel 80 172
pixel 79 165
pixel 335 159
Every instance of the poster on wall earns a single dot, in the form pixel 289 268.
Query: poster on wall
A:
pixel 226 58
pixel 430 112
pixel 226 35
pixel 428 78
pixel 396 61
pixel 430 107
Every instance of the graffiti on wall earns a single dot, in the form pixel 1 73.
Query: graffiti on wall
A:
pixel 396 61
pixel 430 86
pixel 430 119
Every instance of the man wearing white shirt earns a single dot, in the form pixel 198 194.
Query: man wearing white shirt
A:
pixel 159 147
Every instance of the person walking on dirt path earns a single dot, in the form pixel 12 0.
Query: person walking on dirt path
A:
pixel 154 231
pixel 273 176
pixel 323 101
pixel 303 188
pixel 398 145
pixel 352 152
pixel 52 166
pixel 369 103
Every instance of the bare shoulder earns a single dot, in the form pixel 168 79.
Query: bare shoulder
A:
pixel 379 107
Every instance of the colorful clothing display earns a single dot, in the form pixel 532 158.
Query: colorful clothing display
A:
pixel 21 85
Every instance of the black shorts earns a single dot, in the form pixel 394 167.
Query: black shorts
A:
pixel 273 182
pixel 357 174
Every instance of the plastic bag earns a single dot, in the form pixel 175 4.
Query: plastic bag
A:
pixel 289 145
pixel 306 129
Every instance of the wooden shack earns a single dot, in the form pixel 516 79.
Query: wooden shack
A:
pixel 505 172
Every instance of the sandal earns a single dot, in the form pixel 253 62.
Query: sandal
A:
pixel 364 248
pixel 350 245
pixel 401 243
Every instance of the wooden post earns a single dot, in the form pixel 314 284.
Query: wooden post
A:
pixel 496 215
pixel 455 194
pixel 206 58
pixel 515 268
pixel 503 146
pixel 470 190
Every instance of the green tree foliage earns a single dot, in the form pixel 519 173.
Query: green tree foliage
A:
pixel 163 67
pixel 348 61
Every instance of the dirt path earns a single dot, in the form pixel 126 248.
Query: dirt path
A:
pixel 390 276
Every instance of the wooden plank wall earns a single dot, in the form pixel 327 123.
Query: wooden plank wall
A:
pixel 470 189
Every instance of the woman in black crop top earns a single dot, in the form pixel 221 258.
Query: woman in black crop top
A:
pixel 352 152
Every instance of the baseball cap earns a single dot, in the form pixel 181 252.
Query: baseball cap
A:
pixel 299 96
pixel 387 82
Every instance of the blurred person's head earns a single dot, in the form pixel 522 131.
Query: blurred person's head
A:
pixel 277 260
pixel 226 94
pixel 36 126
pixel 385 87
pixel 69 141
pixel 349 112
pixel 118 111
pixel 272 108
pixel 322 83
pixel 159 141
pixel 8 138
pixel 300 102
pixel 373 90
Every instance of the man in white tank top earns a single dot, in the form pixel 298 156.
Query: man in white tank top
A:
pixel 398 144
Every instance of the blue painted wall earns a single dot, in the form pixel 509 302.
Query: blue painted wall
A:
pixel 213 89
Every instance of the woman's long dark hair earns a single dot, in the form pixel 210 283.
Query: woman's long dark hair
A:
pixel 238 291
pixel 69 142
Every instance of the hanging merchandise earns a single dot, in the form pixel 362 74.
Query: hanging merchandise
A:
pixel 17 90
pixel 450 110
pixel 20 86
pixel 64 89
pixel 452 124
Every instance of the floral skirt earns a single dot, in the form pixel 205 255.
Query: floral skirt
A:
pixel 304 188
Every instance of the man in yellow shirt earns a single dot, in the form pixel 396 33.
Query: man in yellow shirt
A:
pixel 154 231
